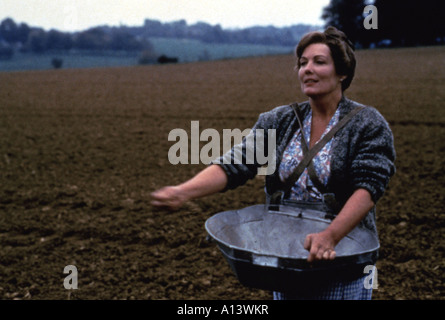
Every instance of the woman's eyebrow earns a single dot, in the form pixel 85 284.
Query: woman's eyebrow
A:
pixel 314 57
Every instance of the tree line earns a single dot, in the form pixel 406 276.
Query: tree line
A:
pixel 264 35
pixel 28 39
pixel 20 36
pixel 399 23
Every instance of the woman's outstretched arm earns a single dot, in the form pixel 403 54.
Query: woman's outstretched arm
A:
pixel 211 180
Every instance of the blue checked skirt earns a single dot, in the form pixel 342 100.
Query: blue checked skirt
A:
pixel 335 290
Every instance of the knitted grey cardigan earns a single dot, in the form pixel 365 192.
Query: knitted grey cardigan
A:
pixel 363 154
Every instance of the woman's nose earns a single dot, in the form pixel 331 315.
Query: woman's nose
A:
pixel 307 67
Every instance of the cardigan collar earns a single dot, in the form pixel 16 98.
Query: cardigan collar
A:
pixel 345 105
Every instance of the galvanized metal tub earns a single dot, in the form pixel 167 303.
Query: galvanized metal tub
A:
pixel 265 249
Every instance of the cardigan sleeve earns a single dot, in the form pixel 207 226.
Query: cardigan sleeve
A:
pixel 373 164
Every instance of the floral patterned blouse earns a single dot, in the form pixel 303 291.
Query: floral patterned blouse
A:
pixel 304 189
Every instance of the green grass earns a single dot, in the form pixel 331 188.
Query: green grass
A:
pixel 185 50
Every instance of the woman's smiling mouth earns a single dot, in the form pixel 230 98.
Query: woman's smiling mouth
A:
pixel 308 81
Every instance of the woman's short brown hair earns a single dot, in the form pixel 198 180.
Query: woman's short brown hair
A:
pixel 342 51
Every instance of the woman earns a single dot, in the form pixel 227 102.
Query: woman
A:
pixel 354 166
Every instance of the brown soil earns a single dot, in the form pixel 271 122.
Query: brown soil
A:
pixel 81 150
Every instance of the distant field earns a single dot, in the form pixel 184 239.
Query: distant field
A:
pixel 185 50
pixel 82 149
pixel 24 62
pixel 194 50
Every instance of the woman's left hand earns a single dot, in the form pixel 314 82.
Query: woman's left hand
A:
pixel 320 246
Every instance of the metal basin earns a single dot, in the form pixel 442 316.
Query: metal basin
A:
pixel 265 249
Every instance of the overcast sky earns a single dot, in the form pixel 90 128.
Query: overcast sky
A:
pixel 75 15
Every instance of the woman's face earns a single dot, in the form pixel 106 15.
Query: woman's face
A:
pixel 317 73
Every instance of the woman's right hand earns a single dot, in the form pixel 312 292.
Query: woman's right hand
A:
pixel 171 197
pixel 208 181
